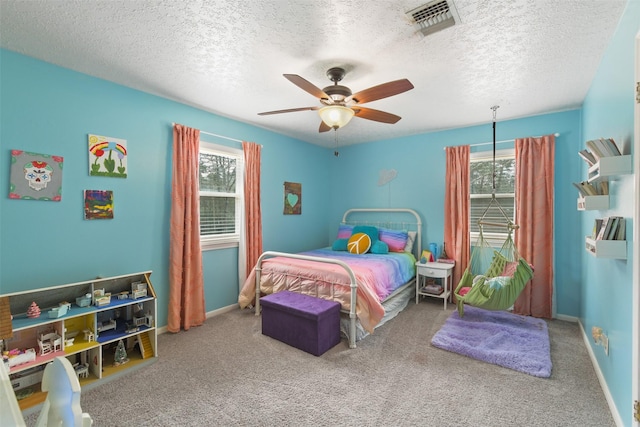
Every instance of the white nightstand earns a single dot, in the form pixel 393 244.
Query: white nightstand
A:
pixel 437 270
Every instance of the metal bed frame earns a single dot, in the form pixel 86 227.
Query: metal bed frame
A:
pixel 353 284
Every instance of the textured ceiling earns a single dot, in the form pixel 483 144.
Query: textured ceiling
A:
pixel 228 57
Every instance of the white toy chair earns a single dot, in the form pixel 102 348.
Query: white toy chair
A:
pixel 57 343
pixel 62 405
pixel 45 347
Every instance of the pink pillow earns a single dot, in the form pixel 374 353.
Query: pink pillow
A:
pixel 395 239
pixel 344 231
pixel 509 269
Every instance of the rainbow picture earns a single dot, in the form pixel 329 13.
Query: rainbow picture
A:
pixel 107 156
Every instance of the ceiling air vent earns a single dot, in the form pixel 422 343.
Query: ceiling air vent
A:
pixel 434 16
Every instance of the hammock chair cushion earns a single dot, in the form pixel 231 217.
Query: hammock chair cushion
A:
pixel 495 290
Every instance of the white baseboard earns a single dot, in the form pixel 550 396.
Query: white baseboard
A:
pixel 222 310
pixel 603 384
pixel 208 315
pixel 567 318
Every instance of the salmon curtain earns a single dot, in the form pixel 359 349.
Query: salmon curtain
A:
pixel 186 282
pixel 534 215
pixel 252 236
pixel 457 209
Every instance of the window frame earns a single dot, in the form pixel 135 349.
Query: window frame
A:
pixel 229 240
pixel 494 239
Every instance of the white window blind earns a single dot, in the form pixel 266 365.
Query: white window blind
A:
pixel 221 195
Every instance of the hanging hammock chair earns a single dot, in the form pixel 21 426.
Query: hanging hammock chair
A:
pixel 499 286
pixel 507 274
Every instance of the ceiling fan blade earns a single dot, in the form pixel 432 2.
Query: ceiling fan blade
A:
pixel 307 86
pixel 381 91
pixel 324 127
pixel 290 110
pixel 375 115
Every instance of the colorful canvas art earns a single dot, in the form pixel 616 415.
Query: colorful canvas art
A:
pixel 107 156
pixel 292 198
pixel 35 176
pixel 98 204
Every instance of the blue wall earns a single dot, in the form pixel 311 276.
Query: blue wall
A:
pixel 50 110
pixel 607 284
pixel 420 162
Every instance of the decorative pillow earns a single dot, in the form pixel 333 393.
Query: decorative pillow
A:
pixel 340 245
pixel 369 230
pixel 344 231
pixel 396 239
pixel 379 247
pixel 359 243
pixel 509 269
pixel 411 238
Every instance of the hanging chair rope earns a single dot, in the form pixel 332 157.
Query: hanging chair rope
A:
pixel 509 224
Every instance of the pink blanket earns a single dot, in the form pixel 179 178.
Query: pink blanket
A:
pixel 376 275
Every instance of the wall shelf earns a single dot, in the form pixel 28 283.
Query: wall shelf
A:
pixel 606 248
pixel 592 203
pixel 611 166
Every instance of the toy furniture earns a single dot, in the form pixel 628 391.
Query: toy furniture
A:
pixel 105 326
pixel 69 338
pixel 17 357
pixel 75 335
pixel 88 335
pixel 82 370
pixel 59 311
pixel 83 301
pixel 45 347
pixel 49 342
pixel 302 321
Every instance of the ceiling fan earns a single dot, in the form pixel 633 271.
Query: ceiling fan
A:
pixel 339 104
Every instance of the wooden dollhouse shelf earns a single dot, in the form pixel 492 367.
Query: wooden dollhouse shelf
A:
pixel 124 318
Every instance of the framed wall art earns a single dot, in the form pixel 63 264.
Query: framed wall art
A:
pixel 35 176
pixel 107 156
pixel 98 204
pixel 292 198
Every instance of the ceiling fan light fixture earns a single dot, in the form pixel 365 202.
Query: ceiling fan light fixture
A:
pixel 336 116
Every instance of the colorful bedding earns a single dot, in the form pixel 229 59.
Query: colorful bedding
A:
pixel 377 277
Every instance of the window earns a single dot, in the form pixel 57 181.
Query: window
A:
pixel 481 186
pixel 221 195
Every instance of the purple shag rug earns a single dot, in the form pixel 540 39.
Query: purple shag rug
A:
pixel 498 337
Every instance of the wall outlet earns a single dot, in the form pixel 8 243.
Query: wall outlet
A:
pixel 605 344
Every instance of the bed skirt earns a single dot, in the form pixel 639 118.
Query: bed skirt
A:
pixel 392 306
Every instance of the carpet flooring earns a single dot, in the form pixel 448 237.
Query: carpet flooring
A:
pixel 226 373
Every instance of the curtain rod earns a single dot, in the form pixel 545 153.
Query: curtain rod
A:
pixel 504 141
pixel 216 135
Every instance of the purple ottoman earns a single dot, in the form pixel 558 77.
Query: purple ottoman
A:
pixel 302 321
